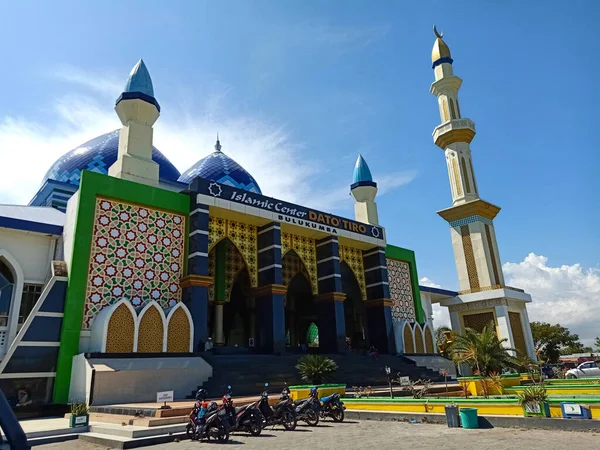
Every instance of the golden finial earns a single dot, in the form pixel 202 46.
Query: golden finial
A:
pixel 440 49
pixel 437 33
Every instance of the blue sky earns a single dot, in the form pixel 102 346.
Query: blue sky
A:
pixel 298 88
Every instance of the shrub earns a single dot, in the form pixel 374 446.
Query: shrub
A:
pixel 316 368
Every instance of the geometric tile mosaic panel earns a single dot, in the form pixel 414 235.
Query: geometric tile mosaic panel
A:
pixel 403 306
pixel 306 250
pixel 354 258
pixel 136 253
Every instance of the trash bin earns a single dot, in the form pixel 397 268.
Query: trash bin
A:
pixel 468 418
pixel 452 416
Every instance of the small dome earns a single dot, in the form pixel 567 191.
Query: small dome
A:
pixel 440 50
pixel 139 80
pixel 98 155
pixel 221 168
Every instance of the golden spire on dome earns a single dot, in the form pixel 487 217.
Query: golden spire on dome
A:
pixel 440 49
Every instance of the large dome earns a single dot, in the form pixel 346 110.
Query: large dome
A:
pixel 221 168
pixel 98 155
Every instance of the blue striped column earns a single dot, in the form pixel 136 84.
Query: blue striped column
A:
pixel 378 304
pixel 195 284
pixel 332 325
pixel 270 293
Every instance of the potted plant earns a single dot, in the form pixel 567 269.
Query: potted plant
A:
pixel 79 415
pixel 534 401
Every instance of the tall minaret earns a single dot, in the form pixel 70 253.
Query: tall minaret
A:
pixel 364 190
pixel 138 110
pixel 483 296
pixel 470 218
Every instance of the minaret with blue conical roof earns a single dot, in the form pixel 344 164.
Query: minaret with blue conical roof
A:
pixel 138 110
pixel 364 190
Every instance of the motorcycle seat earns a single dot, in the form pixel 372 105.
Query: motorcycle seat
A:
pixel 279 404
pixel 239 408
pixel 326 399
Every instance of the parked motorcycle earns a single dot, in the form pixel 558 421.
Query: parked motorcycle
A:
pixel 207 420
pixel 306 408
pixel 332 406
pixel 282 413
pixel 247 419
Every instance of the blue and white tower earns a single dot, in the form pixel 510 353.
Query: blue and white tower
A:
pixel 364 190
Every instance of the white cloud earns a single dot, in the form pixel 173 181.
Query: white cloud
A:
pixel 568 295
pixel 267 150
pixel 441 318
pixel 428 283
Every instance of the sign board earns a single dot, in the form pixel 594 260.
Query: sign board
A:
pixel 404 381
pixel 533 408
pixel 286 212
pixel 81 420
pixel 166 396
pixel 572 409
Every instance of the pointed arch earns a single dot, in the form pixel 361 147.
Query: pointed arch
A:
pixel 463 165
pixel 120 328
pixel 305 248
pixel 419 346
pixel 407 336
pixel 150 329
pixel 354 258
pixel 292 265
pixel 179 331
pixel 429 345
pixel 15 304
pixel 452 110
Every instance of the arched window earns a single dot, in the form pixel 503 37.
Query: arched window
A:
pixel 7 281
pixel 445 109
pixel 465 174
pixel 458 109
pixel 452 112
pixel 456 178
pixel 473 175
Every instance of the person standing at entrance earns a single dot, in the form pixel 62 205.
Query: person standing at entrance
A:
pixel 209 345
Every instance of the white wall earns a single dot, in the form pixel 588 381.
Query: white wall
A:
pixel 31 250
pixel 81 380
pixel 69 229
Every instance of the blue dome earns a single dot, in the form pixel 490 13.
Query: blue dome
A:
pixel 221 168
pixel 98 155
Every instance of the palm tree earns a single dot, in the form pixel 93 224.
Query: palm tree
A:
pixel 483 352
pixel 316 368
pixel 441 339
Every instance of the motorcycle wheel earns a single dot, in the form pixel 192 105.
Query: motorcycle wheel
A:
pixel 288 419
pixel 255 426
pixel 190 432
pixel 312 418
pixel 223 437
pixel 337 414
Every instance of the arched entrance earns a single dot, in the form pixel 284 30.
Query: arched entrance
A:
pixel 238 313
pixel 300 313
pixel 354 310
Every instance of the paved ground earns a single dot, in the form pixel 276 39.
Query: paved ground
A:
pixel 384 436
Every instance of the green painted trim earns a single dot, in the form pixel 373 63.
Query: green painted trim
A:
pixel 464 401
pixel 91 186
pixel 220 265
pixel 408 256
pixel 573 381
pixel 487 378
pixel 549 388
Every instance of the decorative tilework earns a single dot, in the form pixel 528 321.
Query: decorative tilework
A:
pixel 403 304
pixel 354 258
pixel 178 336
pixel 291 265
pixel 492 253
pixel 419 348
pixel 98 155
pixel 469 257
pixel 470 219
pixel 121 331
pixel 212 264
pixel 245 239
pixel 456 178
pixel 429 341
pixel 233 266
pixel 409 346
pixel 479 321
pixel 517 332
pixel 306 249
pixel 217 230
pixel 151 331
pixel 136 253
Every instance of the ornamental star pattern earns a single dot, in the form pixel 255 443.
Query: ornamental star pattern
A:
pixel 136 253
pixel 215 189
pixel 403 307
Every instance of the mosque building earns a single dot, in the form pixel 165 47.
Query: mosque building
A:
pixel 119 255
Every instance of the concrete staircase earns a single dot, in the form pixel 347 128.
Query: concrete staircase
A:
pixel 247 374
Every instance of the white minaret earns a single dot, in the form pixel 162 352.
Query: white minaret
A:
pixel 483 293
pixel 138 110
pixel 364 190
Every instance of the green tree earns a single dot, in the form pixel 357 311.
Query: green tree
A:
pixel 441 340
pixel 578 348
pixel 597 344
pixel 549 339
pixel 483 352
pixel 316 368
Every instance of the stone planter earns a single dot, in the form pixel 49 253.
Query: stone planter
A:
pixel 79 421
pixel 475 384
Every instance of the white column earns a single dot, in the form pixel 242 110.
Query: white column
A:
pixel 455 322
pixel 503 326
pixel 426 303
pixel 219 338
pixel 527 333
